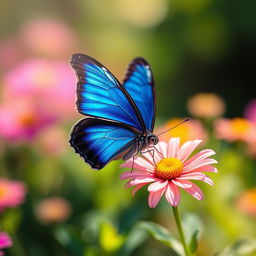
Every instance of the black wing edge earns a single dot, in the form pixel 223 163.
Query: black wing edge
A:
pixel 79 58
pixel 131 69
pixel 76 129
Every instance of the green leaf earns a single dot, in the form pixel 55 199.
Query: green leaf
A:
pixel 193 230
pixel 70 238
pixel 241 247
pixel 163 235
pixel 193 244
pixel 134 239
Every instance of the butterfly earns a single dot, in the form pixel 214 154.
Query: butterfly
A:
pixel 119 118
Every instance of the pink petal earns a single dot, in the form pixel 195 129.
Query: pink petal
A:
pixel 196 176
pixel 138 187
pixel 140 163
pixel 137 181
pixel 172 194
pixel 199 156
pixel 154 197
pixel 181 183
pixel 162 147
pixel 134 174
pixel 157 185
pixel 193 165
pixel 195 191
pixel 173 147
pixel 205 168
pixel 187 148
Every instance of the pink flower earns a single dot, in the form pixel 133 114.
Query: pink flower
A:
pixel 49 83
pixel 236 129
pixel 22 119
pixel 10 52
pixel 250 111
pixel 48 37
pixel 52 141
pixel 12 193
pixel 170 170
pixel 5 242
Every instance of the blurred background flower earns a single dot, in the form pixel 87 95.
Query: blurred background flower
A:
pixel 48 83
pixel 236 129
pixel 52 210
pixel 12 193
pixel 47 37
pixel 250 110
pixel 5 242
pixel 193 129
pixel 246 202
pixel 206 105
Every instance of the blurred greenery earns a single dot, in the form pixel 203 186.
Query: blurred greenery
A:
pixel 192 46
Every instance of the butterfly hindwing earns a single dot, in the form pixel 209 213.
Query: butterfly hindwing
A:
pixel 99 94
pixel 99 141
pixel 139 83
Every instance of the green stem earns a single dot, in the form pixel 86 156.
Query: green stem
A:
pixel 181 233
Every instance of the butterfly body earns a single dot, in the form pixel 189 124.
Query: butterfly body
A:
pixel 119 118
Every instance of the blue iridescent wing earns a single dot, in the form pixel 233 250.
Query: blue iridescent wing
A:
pixel 99 141
pixel 139 83
pixel 99 94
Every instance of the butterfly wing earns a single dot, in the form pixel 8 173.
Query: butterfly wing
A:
pixel 139 83
pixel 99 94
pixel 99 141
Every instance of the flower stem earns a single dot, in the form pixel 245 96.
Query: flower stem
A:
pixel 181 233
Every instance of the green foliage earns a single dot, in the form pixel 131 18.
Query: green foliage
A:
pixel 163 235
pixel 242 247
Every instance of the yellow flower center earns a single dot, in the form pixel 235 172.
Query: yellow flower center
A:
pixel 168 168
pixel 2 192
pixel 240 126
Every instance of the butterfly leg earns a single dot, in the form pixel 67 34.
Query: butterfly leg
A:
pixel 158 151
pixel 149 151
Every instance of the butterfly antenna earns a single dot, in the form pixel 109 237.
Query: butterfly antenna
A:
pixel 182 122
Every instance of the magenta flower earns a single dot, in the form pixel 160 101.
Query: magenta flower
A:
pixel 5 242
pixel 12 193
pixel 173 169
pixel 250 111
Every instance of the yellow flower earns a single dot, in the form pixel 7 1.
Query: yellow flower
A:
pixel 110 240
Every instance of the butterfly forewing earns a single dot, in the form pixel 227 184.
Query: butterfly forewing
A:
pixel 139 83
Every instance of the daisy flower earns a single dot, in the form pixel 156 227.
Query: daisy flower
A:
pixel 171 169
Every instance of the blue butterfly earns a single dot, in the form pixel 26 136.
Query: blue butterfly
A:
pixel 119 118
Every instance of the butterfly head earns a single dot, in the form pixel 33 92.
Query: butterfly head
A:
pixel 152 139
